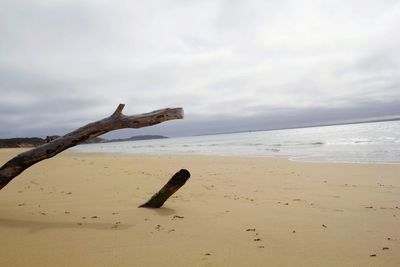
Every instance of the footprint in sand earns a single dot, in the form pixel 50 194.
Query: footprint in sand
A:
pixel 116 225
pixel 256 234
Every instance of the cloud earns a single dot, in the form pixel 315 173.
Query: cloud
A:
pixel 231 64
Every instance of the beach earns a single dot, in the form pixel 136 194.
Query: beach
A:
pixel 81 209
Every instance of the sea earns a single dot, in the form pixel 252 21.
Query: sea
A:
pixel 376 142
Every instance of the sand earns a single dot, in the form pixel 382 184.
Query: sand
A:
pixel 81 210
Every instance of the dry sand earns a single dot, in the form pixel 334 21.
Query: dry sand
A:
pixel 81 210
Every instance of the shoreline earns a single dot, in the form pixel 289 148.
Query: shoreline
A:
pixel 80 209
pixel 126 154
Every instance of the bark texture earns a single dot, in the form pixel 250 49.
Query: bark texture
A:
pixel 176 182
pixel 116 121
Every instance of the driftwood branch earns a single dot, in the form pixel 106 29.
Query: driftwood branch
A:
pixel 176 182
pixel 116 121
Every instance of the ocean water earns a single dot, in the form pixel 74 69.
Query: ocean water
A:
pixel 377 142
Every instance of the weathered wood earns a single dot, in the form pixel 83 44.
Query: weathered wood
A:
pixel 176 182
pixel 116 121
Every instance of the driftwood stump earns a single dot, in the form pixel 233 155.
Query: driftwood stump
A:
pixel 176 182
pixel 116 121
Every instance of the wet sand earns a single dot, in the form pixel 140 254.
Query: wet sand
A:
pixel 81 210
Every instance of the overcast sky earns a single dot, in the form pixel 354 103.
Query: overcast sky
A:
pixel 232 65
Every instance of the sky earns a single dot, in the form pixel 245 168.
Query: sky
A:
pixel 233 65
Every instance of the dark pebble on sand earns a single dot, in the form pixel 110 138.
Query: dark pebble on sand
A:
pixel 257 239
pixel 372 255
pixel 385 248
pixel 250 229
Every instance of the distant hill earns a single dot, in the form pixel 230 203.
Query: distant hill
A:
pixel 21 142
pixel 95 140
pixel 37 141
pixel 136 138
